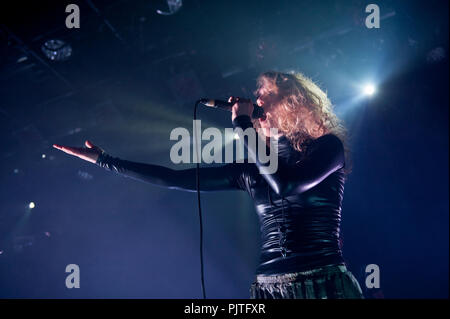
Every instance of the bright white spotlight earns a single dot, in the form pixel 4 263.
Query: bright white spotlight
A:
pixel 31 205
pixel 369 89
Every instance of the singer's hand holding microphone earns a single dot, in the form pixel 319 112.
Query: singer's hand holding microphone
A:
pixel 240 107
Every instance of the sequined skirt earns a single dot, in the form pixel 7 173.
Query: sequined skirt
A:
pixel 328 282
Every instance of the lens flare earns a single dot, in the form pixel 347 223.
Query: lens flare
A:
pixel 369 89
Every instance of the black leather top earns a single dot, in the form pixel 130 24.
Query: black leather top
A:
pixel 299 206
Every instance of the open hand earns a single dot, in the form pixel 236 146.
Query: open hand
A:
pixel 89 153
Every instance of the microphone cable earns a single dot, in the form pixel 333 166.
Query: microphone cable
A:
pixel 199 203
pixel 258 111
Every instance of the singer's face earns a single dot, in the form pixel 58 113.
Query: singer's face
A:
pixel 267 99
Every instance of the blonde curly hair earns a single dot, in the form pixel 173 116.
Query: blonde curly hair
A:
pixel 304 112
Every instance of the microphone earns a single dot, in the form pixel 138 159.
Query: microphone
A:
pixel 258 112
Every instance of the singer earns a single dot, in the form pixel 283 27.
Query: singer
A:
pixel 299 206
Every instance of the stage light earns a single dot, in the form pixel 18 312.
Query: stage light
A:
pixel 369 89
pixel 236 136
pixel 31 205
pixel 44 156
pixel 174 6
pixel 56 50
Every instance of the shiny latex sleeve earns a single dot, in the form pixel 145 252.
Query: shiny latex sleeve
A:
pixel 325 157
pixel 211 178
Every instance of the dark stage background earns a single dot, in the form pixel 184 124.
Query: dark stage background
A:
pixel 133 75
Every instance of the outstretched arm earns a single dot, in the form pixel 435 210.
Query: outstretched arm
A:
pixel 226 177
pixel 211 178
